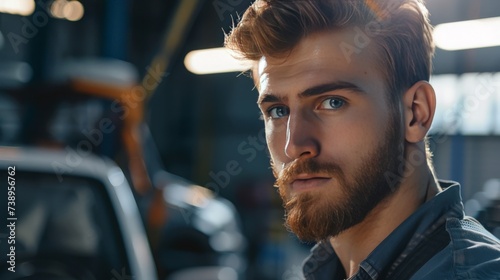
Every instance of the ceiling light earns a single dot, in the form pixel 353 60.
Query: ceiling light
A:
pixel 69 10
pixel 73 11
pixel 56 9
pixel 217 60
pixel 471 34
pixel 17 7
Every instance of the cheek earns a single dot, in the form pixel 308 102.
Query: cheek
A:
pixel 370 123
pixel 362 134
pixel 275 139
pixel 367 135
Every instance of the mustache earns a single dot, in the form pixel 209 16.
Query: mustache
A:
pixel 302 166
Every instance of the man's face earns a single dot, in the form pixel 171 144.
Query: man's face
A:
pixel 335 145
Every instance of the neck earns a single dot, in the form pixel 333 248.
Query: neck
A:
pixel 355 244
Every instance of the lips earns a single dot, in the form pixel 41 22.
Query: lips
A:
pixel 304 183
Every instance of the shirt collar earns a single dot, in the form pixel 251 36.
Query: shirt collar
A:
pixel 323 263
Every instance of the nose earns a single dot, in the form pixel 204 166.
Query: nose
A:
pixel 301 137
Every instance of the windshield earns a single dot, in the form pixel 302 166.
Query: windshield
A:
pixel 63 227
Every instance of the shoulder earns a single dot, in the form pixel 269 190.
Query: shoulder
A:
pixel 473 253
pixel 476 252
pixel 468 231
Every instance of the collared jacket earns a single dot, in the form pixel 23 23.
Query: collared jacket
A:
pixel 470 252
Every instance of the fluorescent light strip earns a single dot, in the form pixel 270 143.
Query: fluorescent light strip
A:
pixel 17 7
pixel 471 34
pixel 217 60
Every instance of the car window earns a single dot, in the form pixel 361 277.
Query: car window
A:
pixel 67 226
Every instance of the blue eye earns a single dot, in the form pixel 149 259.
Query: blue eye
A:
pixel 278 112
pixel 332 103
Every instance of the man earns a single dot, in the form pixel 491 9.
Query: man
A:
pixel 344 94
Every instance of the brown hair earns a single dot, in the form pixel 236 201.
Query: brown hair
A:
pixel 400 28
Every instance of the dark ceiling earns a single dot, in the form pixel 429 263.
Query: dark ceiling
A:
pixel 217 15
pixel 133 30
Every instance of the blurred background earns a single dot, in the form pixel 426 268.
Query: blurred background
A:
pixel 65 66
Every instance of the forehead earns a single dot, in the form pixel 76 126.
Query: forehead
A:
pixel 322 57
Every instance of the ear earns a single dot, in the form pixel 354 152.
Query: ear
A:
pixel 419 105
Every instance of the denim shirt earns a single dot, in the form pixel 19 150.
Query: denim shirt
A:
pixel 473 252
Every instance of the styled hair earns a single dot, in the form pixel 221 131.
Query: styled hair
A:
pixel 399 28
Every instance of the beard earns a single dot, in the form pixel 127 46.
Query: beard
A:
pixel 325 212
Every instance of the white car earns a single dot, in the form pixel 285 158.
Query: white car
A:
pixel 72 218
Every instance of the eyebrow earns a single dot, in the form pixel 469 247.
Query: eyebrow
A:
pixel 316 90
